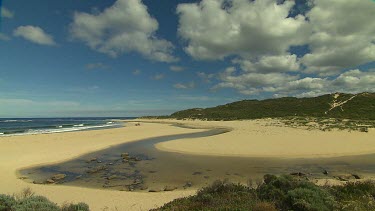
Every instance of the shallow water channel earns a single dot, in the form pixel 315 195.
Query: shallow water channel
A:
pixel 145 168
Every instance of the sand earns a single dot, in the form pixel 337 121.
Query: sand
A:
pixel 247 138
pixel 18 152
pixel 252 138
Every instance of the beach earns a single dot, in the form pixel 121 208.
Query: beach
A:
pixel 246 139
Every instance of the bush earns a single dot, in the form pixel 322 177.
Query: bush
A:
pixel 39 203
pixel 6 202
pixel 75 207
pixel 26 201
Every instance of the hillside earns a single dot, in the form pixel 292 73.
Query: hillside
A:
pixel 337 105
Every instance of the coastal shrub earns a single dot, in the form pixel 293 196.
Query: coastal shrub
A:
pixel 27 201
pixel 6 202
pixel 291 193
pixel 75 207
pixel 39 203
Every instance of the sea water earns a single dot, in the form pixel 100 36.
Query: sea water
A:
pixel 26 126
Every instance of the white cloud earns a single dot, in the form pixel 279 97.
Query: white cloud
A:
pixel 4 37
pixel 126 26
pixel 98 65
pixel 137 72
pixel 206 77
pixel 34 34
pixel 190 85
pixel 215 30
pixel 266 64
pixel 343 35
pixel 176 68
pixel 281 84
pixel 5 13
pixel 158 76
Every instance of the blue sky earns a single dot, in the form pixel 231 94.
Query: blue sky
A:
pixel 133 57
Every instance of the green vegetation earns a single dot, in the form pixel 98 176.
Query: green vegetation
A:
pixel 348 106
pixel 279 193
pixel 27 201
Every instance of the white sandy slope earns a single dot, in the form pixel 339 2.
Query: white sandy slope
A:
pixel 23 151
pixel 251 138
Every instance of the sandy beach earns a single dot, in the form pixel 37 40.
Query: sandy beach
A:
pixel 247 139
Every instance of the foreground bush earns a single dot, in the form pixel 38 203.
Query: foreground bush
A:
pixel 279 193
pixel 26 201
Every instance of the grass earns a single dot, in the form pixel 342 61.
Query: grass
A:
pixel 279 193
pixel 28 201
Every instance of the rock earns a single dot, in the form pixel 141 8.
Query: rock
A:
pixel 197 173
pixel 125 155
pixel 300 174
pixel 92 159
pixel 49 181
pixel 356 176
pixel 170 188
pixel 137 181
pixel 78 177
pixel 23 178
pixel 99 161
pixel 154 190
pixel 143 188
pixel 325 172
pixel 37 182
pixel 111 177
pixel 188 185
pixel 96 169
pixel 110 164
pixel 58 177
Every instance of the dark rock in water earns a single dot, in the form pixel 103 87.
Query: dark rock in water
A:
pixel 49 181
pixel 325 172
pixel 197 173
pixel 78 177
pixel 154 190
pixel 58 177
pixel 125 155
pixel 92 160
pixel 300 174
pixel 152 172
pixel 143 188
pixel 188 185
pixel 356 176
pixel 96 169
pixel 170 188
pixel 112 177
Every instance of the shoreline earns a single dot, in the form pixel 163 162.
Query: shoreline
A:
pixel 18 152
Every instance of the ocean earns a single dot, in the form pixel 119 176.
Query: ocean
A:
pixel 26 126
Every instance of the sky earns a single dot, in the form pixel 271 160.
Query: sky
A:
pixel 153 57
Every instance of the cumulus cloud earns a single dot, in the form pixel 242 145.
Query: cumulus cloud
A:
pixel 206 77
pixel 4 37
pixel 190 85
pixel 137 72
pixel 215 29
pixel 5 13
pixel 282 63
pixel 259 36
pixel 282 84
pixel 98 65
pixel 175 68
pixel 158 77
pixel 343 35
pixel 34 34
pixel 126 26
